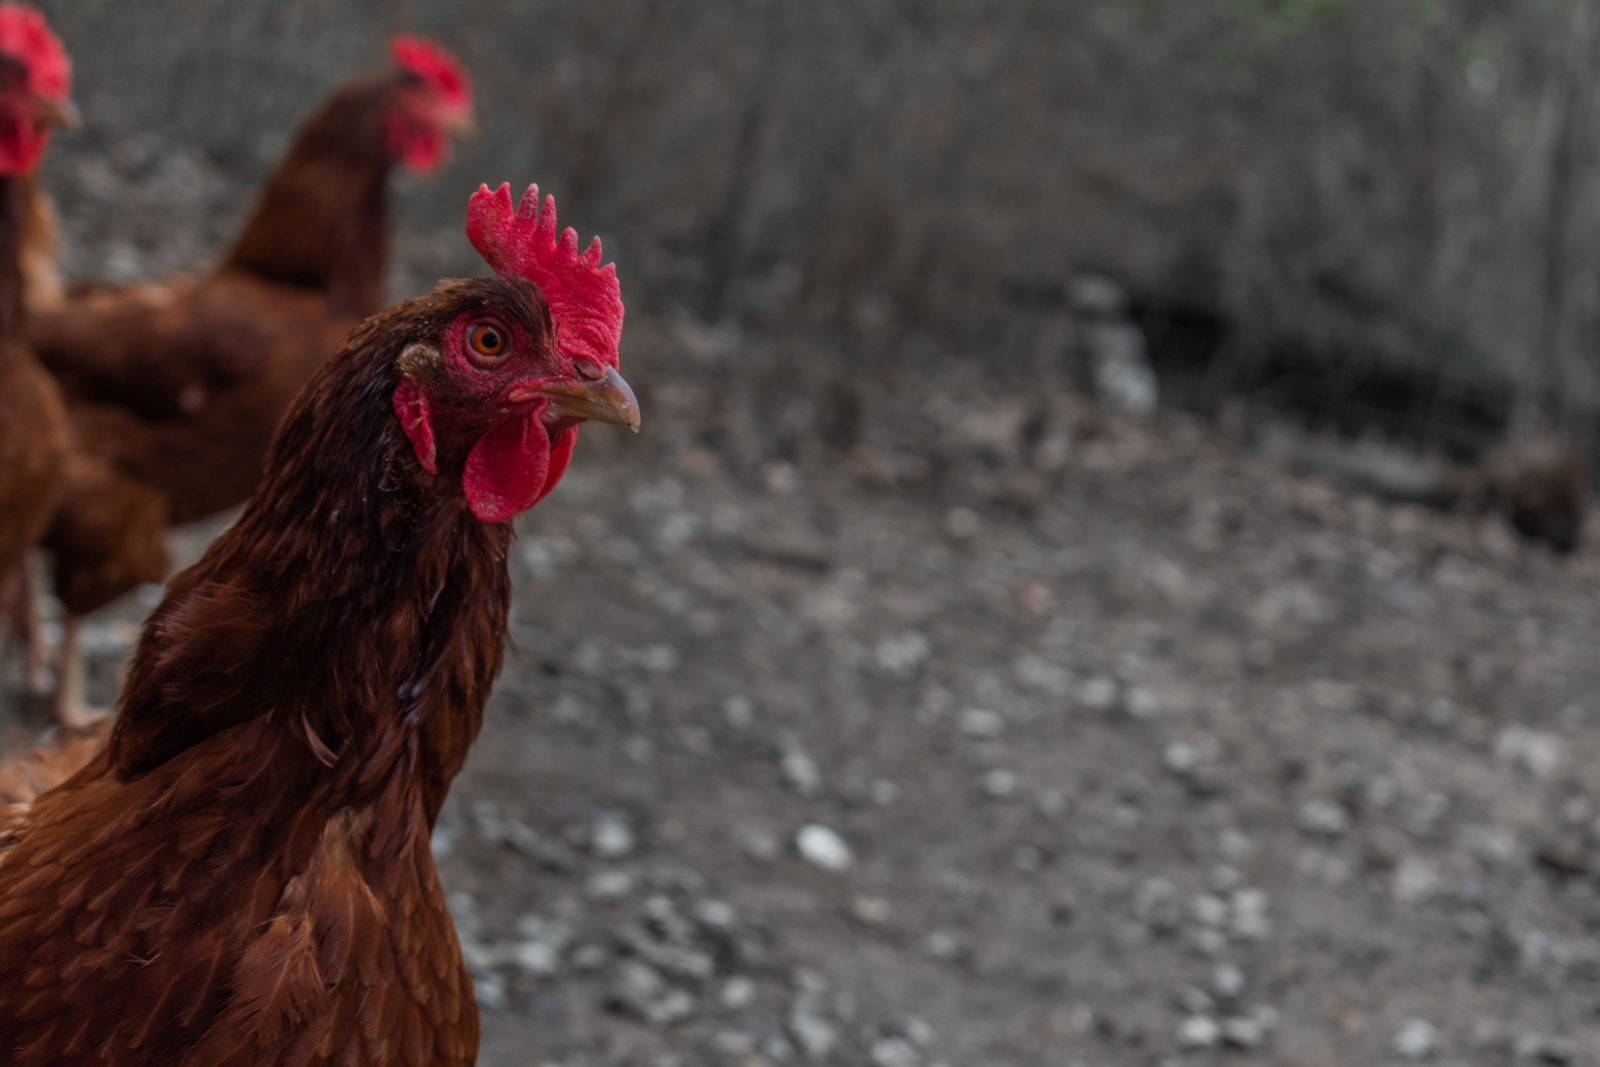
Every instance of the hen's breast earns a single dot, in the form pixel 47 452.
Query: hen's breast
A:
pixel 360 964
pixel 158 926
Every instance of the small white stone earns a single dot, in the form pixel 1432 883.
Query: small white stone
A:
pixel 759 845
pixel 1143 703
pixel 610 885
pixel 902 654
pixel 738 993
pixel 1250 920
pixel 1415 880
pixel 883 792
pixel 540 958
pixel 782 479
pixel 1417 1039
pixel 1098 694
pixel 871 911
pixel 998 784
pixel 962 523
pixel 738 712
pixel 800 771
pixel 894 1052
pixel 941 945
pixel 1210 910
pixel 981 723
pixel 611 837
pixel 1199 1031
pixel 1181 758
pixel 822 847
pixel 1323 818
pixel 1052 803
pixel 716 914
pixel 1540 754
pixel 1243 1032
pixel 815 1035
pixel 1228 981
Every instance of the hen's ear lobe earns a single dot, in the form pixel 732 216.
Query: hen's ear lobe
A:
pixel 416 419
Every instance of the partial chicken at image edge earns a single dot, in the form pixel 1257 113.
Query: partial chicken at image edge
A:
pixel 35 78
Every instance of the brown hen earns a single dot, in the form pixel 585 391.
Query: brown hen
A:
pixel 243 875
pixel 34 78
pixel 176 387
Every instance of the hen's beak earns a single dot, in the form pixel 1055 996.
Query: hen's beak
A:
pixel 459 123
pixel 61 112
pixel 604 399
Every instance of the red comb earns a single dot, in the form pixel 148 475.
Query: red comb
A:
pixel 584 298
pixel 434 65
pixel 25 35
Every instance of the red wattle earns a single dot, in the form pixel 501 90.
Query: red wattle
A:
pixel 507 469
pixel 560 456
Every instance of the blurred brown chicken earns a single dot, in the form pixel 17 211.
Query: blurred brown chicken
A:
pixel 242 876
pixel 175 388
pixel 34 432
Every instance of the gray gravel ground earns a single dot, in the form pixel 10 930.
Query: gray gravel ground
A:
pixel 1000 732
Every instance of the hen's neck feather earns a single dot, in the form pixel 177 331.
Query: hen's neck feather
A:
pixel 357 613
pixel 11 213
pixel 322 221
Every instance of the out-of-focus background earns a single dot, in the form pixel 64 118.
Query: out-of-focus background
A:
pixel 1062 607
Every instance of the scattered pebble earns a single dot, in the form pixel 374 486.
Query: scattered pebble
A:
pixel 1098 694
pixel 611 885
pixel 800 771
pixel 980 723
pixel 962 523
pixel 998 784
pixel 738 993
pixel 1228 981
pixel 871 911
pixel 822 847
pixel 738 712
pixel 903 655
pixel 1539 753
pixel 611 837
pixel 894 1052
pixel 1323 818
pixel 1199 1031
pixel 640 991
pixel 1243 1032
pixel 1417 1039
pixel 815 1035
pixel 759 845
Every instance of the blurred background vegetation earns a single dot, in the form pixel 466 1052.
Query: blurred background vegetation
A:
pixel 1399 194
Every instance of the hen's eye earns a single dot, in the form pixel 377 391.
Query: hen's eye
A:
pixel 487 339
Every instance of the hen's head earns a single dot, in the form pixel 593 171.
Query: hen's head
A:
pixel 433 101
pixel 514 363
pixel 35 76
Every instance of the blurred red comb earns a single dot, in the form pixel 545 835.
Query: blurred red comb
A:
pixel 25 35
pixel 584 298
pixel 430 62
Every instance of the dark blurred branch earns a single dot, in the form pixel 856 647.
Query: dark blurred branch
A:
pixel 723 234
pixel 1549 391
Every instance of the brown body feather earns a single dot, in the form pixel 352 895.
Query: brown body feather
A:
pixel 38 252
pixel 175 388
pixel 243 875
pixel 34 431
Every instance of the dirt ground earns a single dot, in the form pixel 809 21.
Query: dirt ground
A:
pixel 1016 735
